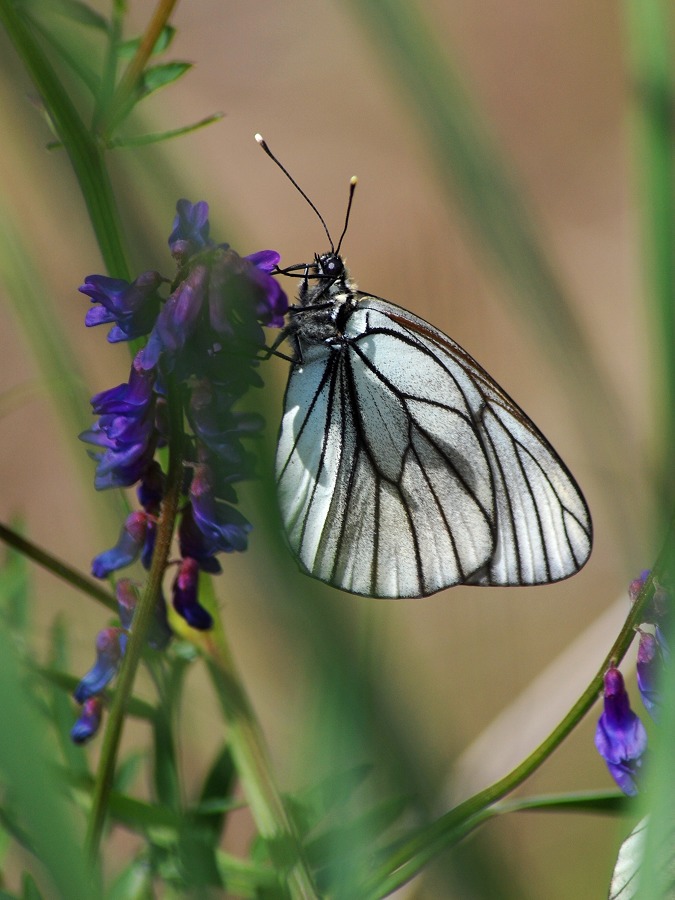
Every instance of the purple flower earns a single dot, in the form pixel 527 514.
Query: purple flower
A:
pixel 150 490
pixel 132 307
pixel 88 723
pixel 194 545
pixel 185 593
pixel 220 429
pixel 223 526
pixel 620 737
pixel 649 666
pixel 272 302
pixel 110 646
pixel 190 232
pixel 125 431
pixel 127 549
pixel 203 341
pixel 180 314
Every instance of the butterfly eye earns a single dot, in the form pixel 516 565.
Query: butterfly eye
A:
pixel 332 265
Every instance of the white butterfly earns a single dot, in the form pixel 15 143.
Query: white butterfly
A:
pixel 402 467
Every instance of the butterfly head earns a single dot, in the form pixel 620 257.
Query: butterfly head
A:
pixel 329 266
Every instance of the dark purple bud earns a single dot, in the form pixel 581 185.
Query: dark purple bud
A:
pixel 126 550
pixel 185 596
pixel 180 314
pixel 90 719
pixel 110 646
pixel 131 307
pixel 190 232
pixel 194 545
pixel 620 737
pixel 223 526
pixel 649 666
pixel 150 491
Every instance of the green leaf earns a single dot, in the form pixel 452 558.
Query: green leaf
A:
pixel 62 709
pixel 312 804
pixel 81 13
pixel 128 770
pixel 142 140
pixel 14 590
pixel 126 49
pixel 133 883
pixel 244 879
pixel 143 817
pixel 603 802
pixel 157 77
pixel 165 766
pixel 29 889
pixel 26 766
pixel 138 708
pixel 218 786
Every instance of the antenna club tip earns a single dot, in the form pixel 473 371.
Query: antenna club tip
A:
pixel 354 180
pixel 259 138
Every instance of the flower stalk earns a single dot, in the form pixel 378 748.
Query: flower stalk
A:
pixel 143 619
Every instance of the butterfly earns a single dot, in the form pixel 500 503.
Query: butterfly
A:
pixel 402 467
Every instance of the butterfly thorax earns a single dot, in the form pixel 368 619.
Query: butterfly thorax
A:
pixel 326 299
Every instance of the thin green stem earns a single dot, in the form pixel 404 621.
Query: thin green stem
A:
pixel 254 768
pixel 57 567
pixel 412 855
pixel 143 617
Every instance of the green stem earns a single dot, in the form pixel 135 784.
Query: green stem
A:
pixel 649 34
pixel 85 153
pixel 412 855
pixel 143 617
pixel 255 771
pixel 57 567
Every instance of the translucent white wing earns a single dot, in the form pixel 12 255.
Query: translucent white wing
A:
pixel 402 468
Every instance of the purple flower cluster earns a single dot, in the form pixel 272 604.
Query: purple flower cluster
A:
pixel 620 737
pixel 203 337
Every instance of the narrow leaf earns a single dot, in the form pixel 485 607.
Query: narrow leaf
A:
pixel 142 139
pixel 127 49
pixel 157 77
pixel 81 13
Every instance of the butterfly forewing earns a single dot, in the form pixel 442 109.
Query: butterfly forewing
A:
pixel 403 468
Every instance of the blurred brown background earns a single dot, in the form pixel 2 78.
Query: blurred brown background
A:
pixel 551 80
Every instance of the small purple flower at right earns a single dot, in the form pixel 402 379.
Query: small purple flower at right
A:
pixel 620 737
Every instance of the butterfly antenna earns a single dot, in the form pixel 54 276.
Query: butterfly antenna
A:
pixel 263 143
pixel 352 187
